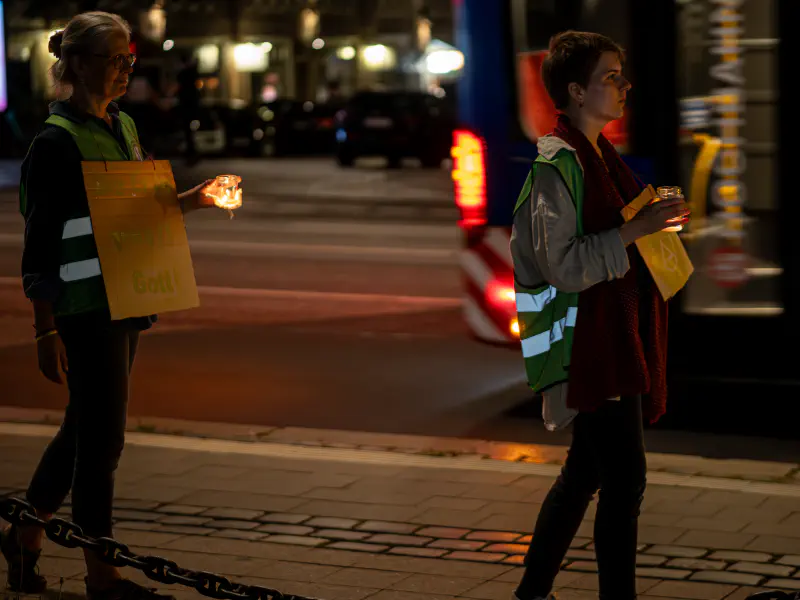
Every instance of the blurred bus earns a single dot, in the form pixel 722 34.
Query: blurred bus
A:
pixel 704 114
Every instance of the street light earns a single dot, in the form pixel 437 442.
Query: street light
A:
pixel 154 21
pixel 207 58
pixel 309 22
pixel 378 56
pixel 346 53
pixel 423 32
pixel 441 62
pixel 249 58
pixel 318 44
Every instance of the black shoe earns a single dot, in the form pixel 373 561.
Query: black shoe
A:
pixel 23 574
pixel 125 589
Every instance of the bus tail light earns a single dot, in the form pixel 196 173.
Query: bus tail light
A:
pixel 502 295
pixel 503 299
pixel 469 178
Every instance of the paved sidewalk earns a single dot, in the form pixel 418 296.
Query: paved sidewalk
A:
pixel 549 456
pixel 350 524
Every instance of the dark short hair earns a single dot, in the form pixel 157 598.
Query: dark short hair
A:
pixel 572 58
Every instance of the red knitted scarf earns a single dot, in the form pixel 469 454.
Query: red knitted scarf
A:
pixel 620 343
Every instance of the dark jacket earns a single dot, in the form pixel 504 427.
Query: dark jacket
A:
pixel 53 180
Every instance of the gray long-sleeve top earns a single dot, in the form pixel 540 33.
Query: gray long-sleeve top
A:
pixel 546 249
pixel 544 244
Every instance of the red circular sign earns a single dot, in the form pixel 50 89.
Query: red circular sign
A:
pixel 727 267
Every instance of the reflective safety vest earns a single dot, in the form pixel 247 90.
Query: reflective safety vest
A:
pixel 82 287
pixel 546 315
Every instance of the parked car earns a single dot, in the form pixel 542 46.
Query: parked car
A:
pixel 168 139
pixel 395 125
pixel 292 127
pixel 219 129
pixel 244 130
pixel 280 128
pixel 210 135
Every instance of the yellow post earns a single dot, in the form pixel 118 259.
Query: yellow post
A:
pixel 701 175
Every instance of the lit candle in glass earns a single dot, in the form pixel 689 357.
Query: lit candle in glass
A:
pixel 229 194
pixel 665 193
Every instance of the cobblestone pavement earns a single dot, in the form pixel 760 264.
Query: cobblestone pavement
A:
pixel 338 523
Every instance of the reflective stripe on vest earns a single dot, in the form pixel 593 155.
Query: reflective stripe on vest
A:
pixel 527 302
pixel 78 269
pixel 547 316
pixel 77 227
pixel 82 269
pixel 542 342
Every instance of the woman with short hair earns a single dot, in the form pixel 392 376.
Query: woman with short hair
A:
pixel 601 359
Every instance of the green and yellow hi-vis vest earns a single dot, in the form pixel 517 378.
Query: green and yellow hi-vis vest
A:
pixel 545 314
pixel 82 287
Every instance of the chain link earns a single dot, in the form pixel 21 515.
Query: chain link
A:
pixel 162 570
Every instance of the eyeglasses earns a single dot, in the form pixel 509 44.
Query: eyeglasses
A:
pixel 120 61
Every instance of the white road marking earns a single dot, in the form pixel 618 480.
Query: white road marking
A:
pixel 279 294
pixel 326 251
pixel 439 256
pixel 328 296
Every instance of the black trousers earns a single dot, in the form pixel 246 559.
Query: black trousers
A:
pixel 607 453
pixel 86 450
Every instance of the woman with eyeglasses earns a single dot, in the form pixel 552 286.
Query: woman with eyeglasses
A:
pixel 75 335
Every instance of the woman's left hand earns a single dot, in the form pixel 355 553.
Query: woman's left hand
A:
pixel 200 196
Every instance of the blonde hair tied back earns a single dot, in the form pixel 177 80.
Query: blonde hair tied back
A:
pixel 86 32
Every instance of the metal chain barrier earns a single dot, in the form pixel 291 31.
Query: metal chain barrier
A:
pixel 164 571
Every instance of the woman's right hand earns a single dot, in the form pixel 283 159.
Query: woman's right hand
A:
pixel 655 217
pixel 52 355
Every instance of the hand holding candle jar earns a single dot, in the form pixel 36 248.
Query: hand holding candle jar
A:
pixel 648 214
pixel 228 194
pixel 670 193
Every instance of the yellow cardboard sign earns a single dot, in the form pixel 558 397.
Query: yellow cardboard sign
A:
pixel 141 238
pixel 663 252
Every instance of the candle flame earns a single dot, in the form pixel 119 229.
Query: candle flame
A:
pixel 229 198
